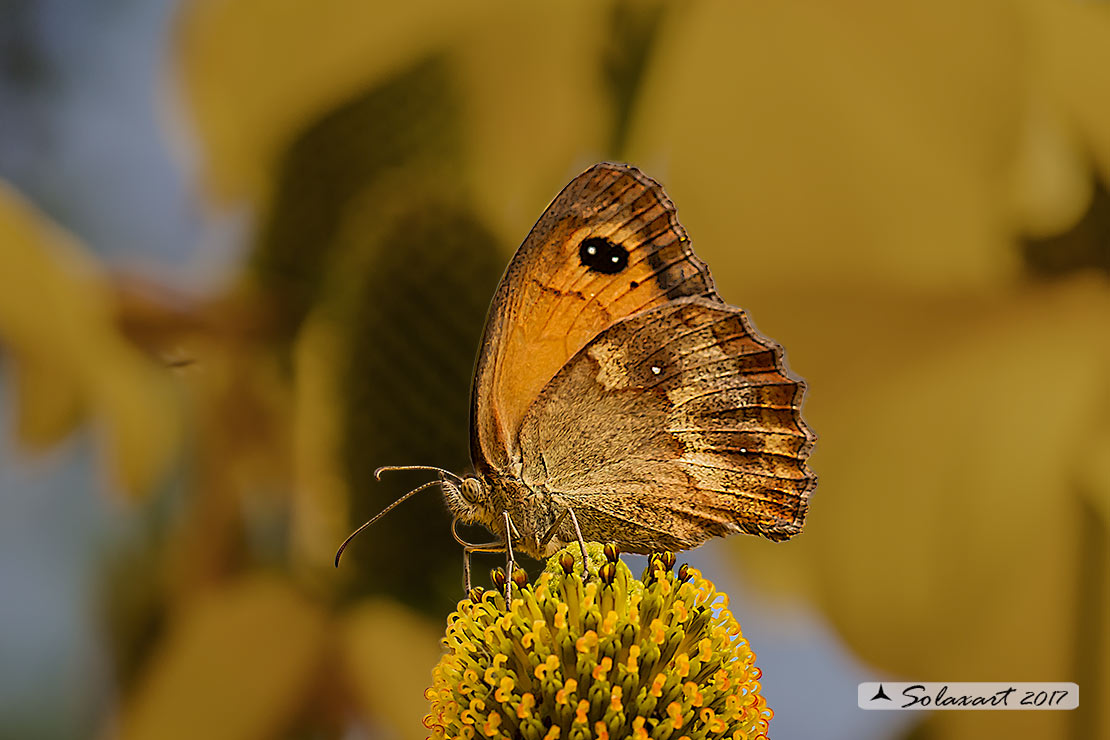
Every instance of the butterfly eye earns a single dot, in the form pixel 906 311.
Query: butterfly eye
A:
pixel 471 489
pixel 602 255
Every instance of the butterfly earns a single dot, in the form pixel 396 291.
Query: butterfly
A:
pixel 618 398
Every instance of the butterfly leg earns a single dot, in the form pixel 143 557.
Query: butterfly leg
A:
pixel 470 547
pixel 581 543
pixel 510 559
pixel 578 533
pixel 554 528
pixel 486 547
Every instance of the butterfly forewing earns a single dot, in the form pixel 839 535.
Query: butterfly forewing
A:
pixel 614 382
pixel 607 247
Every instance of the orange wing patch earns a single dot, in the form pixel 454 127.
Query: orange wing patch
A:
pixel 607 247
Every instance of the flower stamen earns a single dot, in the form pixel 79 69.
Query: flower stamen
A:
pixel 605 657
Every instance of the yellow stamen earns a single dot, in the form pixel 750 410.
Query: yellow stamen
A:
pixel 492 723
pixel 546 667
pixel 615 699
pixel 561 615
pixel 674 709
pixel 633 654
pixel 568 688
pixel 602 668
pixel 505 692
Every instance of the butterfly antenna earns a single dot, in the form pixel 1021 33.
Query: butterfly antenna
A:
pixel 383 512
pixel 441 471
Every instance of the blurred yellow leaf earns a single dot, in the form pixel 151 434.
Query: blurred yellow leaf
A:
pixel 57 319
pixel 535 105
pixel 1067 116
pixel 255 72
pixel 1071 49
pixel 1094 479
pixel 240 662
pixel 848 143
pixel 388 655
pixel 50 402
pixel 953 432
pixel 320 492
pixel 1051 176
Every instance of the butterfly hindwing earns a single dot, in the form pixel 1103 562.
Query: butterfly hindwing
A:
pixel 671 426
pixel 609 246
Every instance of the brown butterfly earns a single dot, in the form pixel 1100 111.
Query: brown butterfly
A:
pixel 617 398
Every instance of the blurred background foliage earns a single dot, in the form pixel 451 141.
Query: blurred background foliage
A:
pixel 911 198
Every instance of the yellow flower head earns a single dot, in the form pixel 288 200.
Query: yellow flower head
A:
pixel 610 657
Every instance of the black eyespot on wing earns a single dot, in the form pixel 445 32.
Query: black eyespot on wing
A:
pixel 602 255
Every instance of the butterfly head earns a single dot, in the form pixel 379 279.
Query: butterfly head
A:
pixel 467 498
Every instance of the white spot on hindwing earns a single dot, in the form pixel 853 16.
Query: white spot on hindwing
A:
pixel 655 369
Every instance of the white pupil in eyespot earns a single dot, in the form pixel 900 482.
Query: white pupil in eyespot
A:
pixel 591 249
pixel 615 259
